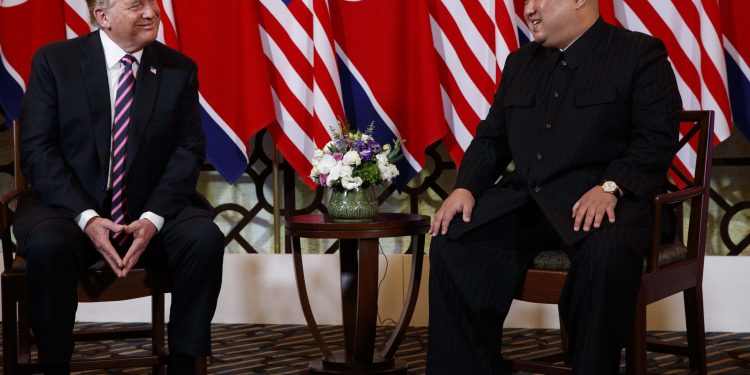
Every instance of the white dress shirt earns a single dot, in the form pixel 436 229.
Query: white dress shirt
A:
pixel 112 55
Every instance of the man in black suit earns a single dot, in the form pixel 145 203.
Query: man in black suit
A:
pixel 588 113
pixel 111 142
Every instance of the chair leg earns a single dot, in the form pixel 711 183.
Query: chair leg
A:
pixel 10 343
pixel 563 338
pixel 24 329
pixel 636 351
pixel 696 332
pixel 201 365
pixel 157 330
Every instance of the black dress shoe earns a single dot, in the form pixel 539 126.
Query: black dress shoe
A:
pixel 56 369
pixel 180 364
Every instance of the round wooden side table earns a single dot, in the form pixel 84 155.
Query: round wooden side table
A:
pixel 358 252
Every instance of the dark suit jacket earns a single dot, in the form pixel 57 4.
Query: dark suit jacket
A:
pixel 617 121
pixel 66 134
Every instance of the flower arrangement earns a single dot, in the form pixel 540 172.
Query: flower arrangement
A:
pixel 353 159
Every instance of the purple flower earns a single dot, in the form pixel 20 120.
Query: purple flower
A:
pixel 322 178
pixel 358 145
pixel 341 144
pixel 373 146
pixel 338 156
pixel 365 154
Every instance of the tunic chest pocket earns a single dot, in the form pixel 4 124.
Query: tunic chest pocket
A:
pixel 595 95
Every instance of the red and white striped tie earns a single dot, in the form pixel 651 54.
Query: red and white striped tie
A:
pixel 123 104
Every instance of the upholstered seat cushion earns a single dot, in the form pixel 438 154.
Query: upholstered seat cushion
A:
pixel 558 260
pixel 19 265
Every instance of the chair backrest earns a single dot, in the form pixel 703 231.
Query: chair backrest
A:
pixel 20 184
pixel 697 135
pixel 20 181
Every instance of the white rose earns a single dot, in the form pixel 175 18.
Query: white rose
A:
pixel 350 183
pixel 326 163
pixel 315 172
pixel 352 158
pixel 334 174
pixel 387 171
pixel 346 171
pixel 327 147
pixel 382 158
pixel 317 155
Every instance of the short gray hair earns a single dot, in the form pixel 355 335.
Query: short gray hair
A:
pixel 93 4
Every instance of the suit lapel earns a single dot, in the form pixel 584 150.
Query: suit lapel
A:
pixel 146 90
pixel 94 69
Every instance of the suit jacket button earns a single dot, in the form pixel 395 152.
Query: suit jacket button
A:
pixel 539 156
pixel 537 189
pixel 548 125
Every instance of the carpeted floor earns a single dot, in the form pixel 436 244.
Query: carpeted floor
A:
pixel 287 349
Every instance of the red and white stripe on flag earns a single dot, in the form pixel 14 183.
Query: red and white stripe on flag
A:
pixel 298 43
pixel 691 31
pixel 472 39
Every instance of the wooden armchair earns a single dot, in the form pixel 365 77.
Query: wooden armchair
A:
pixel 669 269
pixel 97 285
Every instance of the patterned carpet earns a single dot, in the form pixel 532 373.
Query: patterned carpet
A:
pixel 287 349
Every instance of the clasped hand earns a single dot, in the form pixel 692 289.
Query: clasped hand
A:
pixel 99 229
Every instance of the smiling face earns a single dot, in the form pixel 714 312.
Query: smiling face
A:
pixel 555 23
pixel 131 24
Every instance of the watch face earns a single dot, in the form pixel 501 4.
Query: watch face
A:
pixel 609 186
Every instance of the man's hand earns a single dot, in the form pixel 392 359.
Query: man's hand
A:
pixel 460 200
pixel 99 229
pixel 591 207
pixel 143 231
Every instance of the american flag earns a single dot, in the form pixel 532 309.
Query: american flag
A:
pixel 297 37
pixel 472 38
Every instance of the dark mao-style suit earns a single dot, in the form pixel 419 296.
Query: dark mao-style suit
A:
pixel 65 151
pixel 604 109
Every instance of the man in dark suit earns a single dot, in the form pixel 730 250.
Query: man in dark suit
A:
pixel 588 113
pixel 111 142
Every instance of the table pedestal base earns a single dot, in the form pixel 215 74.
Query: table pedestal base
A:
pixel 339 366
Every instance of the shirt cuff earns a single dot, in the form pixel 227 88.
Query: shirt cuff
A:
pixel 155 219
pixel 83 218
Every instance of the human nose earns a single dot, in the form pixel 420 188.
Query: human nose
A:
pixel 529 8
pixel 150 10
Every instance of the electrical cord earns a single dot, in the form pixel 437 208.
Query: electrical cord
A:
pixel 387 321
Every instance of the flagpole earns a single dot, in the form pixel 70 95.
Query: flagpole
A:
pixel 276 203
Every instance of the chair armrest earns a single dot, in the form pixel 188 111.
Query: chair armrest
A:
pixel 678 196
pixel 12 196
pixel 660 201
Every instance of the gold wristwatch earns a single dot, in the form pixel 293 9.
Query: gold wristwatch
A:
pixel 612 188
